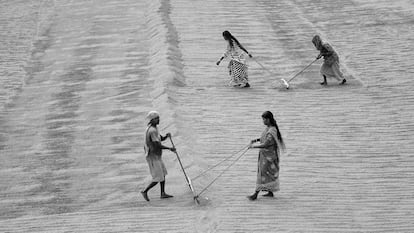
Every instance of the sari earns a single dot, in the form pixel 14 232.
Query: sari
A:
pixel 330 66
pixel 268 162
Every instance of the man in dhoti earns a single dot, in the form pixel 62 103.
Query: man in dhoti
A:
pixel 153 150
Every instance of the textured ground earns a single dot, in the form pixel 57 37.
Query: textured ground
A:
pixel 71 138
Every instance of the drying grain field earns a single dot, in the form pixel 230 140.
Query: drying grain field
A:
pixel 78 78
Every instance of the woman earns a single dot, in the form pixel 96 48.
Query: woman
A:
pixel 237 65
pixel 330 66
pixel 153 150
pixel 270 144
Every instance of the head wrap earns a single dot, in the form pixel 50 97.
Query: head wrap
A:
pixel 317 41
pixel 152 115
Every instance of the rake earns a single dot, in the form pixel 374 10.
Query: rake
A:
pixel 286 83
pixel 187 178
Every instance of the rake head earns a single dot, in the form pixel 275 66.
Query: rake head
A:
pixel 196 200
pixel 284 82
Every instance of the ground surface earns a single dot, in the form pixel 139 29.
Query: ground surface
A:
pixel 72 133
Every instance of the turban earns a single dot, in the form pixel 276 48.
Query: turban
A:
pixel 152 115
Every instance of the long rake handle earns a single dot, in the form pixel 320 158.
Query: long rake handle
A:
pixel 227 168
pixel 185 174
pixel 222 161
pixel 260 64
pixel 181 164
pixel 302 70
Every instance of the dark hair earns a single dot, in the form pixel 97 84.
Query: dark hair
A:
pixel 269 115
pixel 230 38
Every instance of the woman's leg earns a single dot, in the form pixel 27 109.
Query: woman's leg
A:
pixel 338 73
pixel 245 76
pixel 268 194
pixel 324 81
pixel 253 196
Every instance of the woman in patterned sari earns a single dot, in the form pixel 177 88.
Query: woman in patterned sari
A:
pixel 330 66
pixel 270 144
pixel 237 65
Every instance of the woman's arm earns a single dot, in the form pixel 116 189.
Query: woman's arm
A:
pixel 266 144
pixel 261 145
pixel 255 140
pixel 245 50
pixel 319 56
pixel 225 54
pixel 218 62
pixel 327 50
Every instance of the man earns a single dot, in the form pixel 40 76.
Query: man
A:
pixel 153 151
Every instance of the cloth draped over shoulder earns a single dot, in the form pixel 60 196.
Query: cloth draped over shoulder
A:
pixel 235 53
pixel 238 69
pixel 268 161
pixel 153 154
pixel 329 54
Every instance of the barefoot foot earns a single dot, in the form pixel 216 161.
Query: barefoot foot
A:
pixel 145 195
pixel 252 197
pixel 164 195
pixel 268 194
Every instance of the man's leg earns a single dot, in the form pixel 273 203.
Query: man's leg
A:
pixel 163 194
pixel 324 81
pixel 150 186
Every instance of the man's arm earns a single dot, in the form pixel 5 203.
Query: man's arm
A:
pixel 165 137
pixel 158 144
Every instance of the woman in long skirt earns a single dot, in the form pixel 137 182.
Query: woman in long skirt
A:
pixel 270 144
pixel 330 66
pixel 237 65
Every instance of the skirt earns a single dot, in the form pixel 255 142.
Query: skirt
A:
pixel 238 73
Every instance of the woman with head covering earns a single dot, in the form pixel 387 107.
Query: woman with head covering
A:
pixel 330 66
pixel 270 144
pixel 153 150
pixel 237 65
